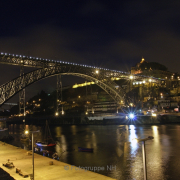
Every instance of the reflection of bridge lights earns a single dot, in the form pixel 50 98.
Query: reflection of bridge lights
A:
pixel 155 129
pixel 133 138
pixel 62 112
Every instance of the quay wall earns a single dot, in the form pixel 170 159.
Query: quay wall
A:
pixel 44 167
pixel 83 120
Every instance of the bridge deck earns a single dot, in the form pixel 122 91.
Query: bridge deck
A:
pixel 43 169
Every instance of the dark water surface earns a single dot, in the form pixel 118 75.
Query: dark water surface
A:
pixel 115 153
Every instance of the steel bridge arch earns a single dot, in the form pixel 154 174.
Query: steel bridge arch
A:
pixel 12 87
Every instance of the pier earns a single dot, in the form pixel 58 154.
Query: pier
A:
pixel 44 167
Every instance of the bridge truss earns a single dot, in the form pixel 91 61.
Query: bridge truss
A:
pixel 46 68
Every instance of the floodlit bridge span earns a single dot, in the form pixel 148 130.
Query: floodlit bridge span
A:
pixel 101 76
pixel 11 88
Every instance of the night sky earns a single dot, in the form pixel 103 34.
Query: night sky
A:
pixel 113 34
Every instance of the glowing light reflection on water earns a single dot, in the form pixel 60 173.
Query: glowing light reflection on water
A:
pixel 113 145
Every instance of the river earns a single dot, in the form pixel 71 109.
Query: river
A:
pixel 115 154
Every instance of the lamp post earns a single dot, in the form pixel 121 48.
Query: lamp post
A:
pixel 27 132
pixel 144 154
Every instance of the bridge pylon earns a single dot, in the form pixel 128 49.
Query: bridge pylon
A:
pixel 22 92
pixel 59 95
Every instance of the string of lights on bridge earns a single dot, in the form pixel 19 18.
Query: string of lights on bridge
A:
pixel 76 64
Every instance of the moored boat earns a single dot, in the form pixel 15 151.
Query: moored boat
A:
pixel 85 149
pixel 48 140
pixel 3 129
pixel 44 144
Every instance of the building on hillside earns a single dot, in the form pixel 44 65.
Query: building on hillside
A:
pixel 137 69
pixel 153 69
pixel 102 107
pixel 165 105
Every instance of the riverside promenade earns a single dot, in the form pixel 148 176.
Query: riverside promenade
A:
pixel 44 167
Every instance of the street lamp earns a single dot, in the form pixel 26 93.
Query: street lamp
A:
pixel 144 154
pixel 130 77
pixel 27 132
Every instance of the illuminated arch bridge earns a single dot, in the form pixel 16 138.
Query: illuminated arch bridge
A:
pixel 45 68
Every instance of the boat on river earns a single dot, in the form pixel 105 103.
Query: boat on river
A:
pixel 44 144
pixel 3 129
pixel 48 140
pixel 81 149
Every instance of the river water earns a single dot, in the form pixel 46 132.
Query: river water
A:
pixel 115 154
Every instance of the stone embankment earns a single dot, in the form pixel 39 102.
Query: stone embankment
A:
pixel 18 163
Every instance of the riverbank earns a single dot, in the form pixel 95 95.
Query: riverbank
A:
pixel 45 168
pixel 83 120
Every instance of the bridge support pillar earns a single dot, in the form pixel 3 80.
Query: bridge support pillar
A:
pixel 59 94
pixel 22 92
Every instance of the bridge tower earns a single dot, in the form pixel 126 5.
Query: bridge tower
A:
pixel 59 98
pixel 22 92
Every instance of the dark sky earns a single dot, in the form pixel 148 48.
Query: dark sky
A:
pixel 113 34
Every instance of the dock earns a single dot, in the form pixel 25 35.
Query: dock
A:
pixel 44 168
